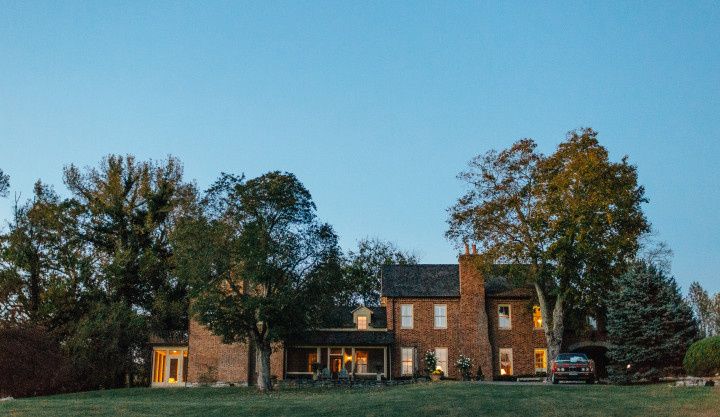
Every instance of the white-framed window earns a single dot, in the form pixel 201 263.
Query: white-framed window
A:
pixel 442 359
pixel 440 316
pixel 362 323
pixel 407 359
pixel 504 316
pixel 540 360
pixel 506 361
pixel 406 316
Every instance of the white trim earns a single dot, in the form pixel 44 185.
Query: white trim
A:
pixel 544 369
pixel 509 317
pixel 435 316
pixel 512 364
pixel 412 316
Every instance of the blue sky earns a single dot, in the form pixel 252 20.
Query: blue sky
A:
pixel 376 106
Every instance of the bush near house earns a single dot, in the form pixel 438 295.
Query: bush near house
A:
pixel 703 357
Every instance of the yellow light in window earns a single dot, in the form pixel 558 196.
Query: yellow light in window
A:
pixel 502 371
pixel 172 380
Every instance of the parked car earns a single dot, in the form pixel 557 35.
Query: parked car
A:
pixel 572 367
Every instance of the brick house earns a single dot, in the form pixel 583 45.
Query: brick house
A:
pixel 452 309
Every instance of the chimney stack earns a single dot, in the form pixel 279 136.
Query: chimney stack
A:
pixel 467 249
pixel 474 252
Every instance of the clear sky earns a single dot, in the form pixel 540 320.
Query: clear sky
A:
pixel 376 106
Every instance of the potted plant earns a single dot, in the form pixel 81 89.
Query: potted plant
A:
pixel 464 364
pixel 378 373
pixel 316 370
pixel 436 375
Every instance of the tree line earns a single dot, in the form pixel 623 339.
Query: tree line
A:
pixel 89 278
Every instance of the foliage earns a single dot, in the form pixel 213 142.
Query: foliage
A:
pixel 32 363
pixel 464 364
pixel 260 264
pixel 706 310
pixel 107 346
pixel 573 217
pixel 649 324
pixel 44 267
pixel 430 361
pixel 364 266
pixel 703 357
pixel 4 183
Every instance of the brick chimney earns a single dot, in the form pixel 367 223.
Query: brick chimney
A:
pixel 474 339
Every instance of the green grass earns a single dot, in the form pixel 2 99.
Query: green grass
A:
pixel 447 398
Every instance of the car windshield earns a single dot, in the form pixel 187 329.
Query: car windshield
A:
pixel 572 357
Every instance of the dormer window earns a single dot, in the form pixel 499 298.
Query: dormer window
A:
pixel 361 317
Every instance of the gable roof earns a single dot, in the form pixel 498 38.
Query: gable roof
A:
pixel 420 281
pixel 436 281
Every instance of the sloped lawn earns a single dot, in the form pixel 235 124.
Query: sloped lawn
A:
pixel 443 399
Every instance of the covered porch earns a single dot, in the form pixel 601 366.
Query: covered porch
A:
pixel 330 361
pixel 169 366
pixel 340 354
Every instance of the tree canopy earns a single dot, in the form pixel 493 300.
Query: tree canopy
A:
pixel 574 217
pixel 260 264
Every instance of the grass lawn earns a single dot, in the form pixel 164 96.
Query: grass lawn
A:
pixel 446 399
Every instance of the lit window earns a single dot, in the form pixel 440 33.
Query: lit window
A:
pixel 406 313
pixel 504 317
pixel 441 316
pixel 540 360
pixel 362 323
pixel 407 361
pixel 361 361
pixel 506 362
pixel 442 359
pixel 537 318
pixel 312 358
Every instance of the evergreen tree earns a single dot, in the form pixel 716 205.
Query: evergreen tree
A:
pixel 649 325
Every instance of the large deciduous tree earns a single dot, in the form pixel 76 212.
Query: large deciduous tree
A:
pixel 261 266
pixel 573 217
pixel 43 264
pixel 128 211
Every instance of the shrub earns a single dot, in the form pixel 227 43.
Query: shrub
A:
pixel 464 364
pixel 703 357
pixel 32 363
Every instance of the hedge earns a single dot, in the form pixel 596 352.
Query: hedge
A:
pixel 703 357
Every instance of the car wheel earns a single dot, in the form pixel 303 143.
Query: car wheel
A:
pixel 554 381
pixel 590 381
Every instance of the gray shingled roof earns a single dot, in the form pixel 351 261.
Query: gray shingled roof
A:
pixel 420 281
pixel 444 281
pixel 344 338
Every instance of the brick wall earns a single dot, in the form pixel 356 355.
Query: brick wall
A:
pixel 473 329
pixel 522 338
pixel 211 360
pixel 423 336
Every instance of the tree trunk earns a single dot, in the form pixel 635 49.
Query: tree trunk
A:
pixel 553 325
pixel 264 382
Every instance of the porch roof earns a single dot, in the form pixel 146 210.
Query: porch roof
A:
pixel 345 338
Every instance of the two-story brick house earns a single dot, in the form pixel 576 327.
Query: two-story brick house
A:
pixel 452 309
